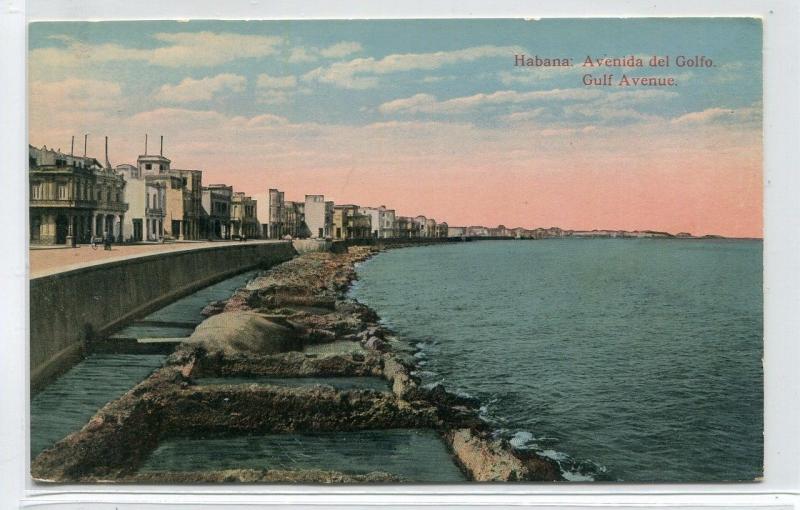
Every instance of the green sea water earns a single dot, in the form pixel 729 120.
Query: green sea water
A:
pixel 624 360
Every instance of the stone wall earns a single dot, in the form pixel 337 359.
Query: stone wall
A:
pixel 70 308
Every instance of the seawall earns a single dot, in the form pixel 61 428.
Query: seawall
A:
pixel 396 242
pixel 70 308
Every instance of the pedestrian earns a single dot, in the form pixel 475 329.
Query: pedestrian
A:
pixel 107 242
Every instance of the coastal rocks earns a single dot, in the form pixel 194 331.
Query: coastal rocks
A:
pixel 237 332
pixel 489 460
pixel 376 344
pixel 440 396
pixel 402 383
pixel 293 322
pixel 213 308
pixel 259 476
pixel 290 364
pixel 236 409
pixel 114 441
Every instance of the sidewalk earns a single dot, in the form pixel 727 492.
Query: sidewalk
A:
pixel 43 262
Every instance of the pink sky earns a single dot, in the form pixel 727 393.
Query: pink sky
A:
pixel 695 175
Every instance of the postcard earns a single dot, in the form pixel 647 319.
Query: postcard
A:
pixel 396 251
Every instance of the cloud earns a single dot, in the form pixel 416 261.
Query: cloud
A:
pixel 180 49
pixel 275 89
pixel 204 89
pixel 536 75
pixel 417 102
pixel 341 49
pixel 206 49
pixel 299 55
pixel 362 73
pixel 276 82
pixel 747 115
pixel 582 105
pixel 302 54
pixel 425 103
pixel 76 94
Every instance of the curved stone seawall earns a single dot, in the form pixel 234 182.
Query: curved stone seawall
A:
pixel 68 309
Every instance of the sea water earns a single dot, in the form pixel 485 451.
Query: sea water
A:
pixel 626 360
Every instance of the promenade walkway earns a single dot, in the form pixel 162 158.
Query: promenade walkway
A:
pixel 46 261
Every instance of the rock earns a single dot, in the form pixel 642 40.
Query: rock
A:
pixel 376 344
pixel 260 476
pixel 320 336
pixel 375 331
pixel 244 332
pixel 213 308
pixel 487 460
pixel 402 383
pixel 440 396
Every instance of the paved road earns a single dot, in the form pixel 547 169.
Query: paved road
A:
pixel 48 261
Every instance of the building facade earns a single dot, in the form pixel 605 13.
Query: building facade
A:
pixel 73 199
pixel 294 220
pixel 181 208
pixel 192 195
pixel 276 216
pixel 456 231
pixel 407 227
pixel 382 221
pixel 350 223
pixel 318 216
pixel 216 203
pixel 244 217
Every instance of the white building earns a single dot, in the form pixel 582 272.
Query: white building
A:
pixel 383 221
pixel 318 216
pixel 145 199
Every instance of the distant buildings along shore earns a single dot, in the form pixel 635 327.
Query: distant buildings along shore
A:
pixel 74 199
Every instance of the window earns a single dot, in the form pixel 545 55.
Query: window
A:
pixel 62 192
pixel 161 167
pixel 36 191
pixel 148 166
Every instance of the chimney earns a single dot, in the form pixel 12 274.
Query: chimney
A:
pixel 85 139
pixel 72 146
pixel 161 152
pixel 108 165
pixel 145 144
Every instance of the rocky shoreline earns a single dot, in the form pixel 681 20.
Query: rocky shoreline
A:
pixel 293 321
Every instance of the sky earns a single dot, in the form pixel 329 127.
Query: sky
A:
pixel 427 117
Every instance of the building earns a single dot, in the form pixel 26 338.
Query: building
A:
pixel 154 210
pixel 456 231
pixel 145 218
pixel 216 220
pixel 407 227
pixel 382 221
pixel 430 227
pixel 477 231
pixel 135 195
pixel 244 217
pixel 182 204
pixel 442 229
pixel 425 226
pixel 294 220
pixel 73 199
pixel 192 194
pixel 318 216
pixel 350 223
pixel 276 214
